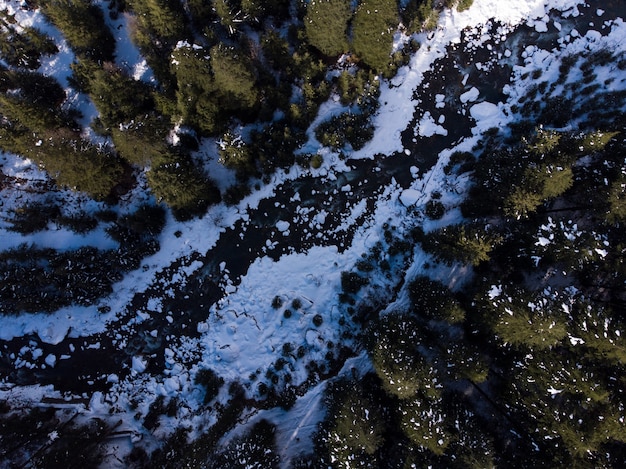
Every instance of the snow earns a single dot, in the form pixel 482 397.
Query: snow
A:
pixel 138 364
pixel 243 333
pixel 486 115
pixel 427 127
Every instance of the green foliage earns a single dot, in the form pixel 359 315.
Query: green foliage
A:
pixel 395 358
pixel 357 429
pixel 118 97
pixel 84 167
pixel 236 154
pixel 372 35
pixel 214 85
pixel 195 94
pixel 161 18
pixel 82 24
pixel 469 244
pixel 316 161
pixel 346 128
pixel 421 15
pixel 423 422
pixel 32 101
pixel 433 300
pixel 617 202
pixel 594 141
pixel 142 142
pixel 182 187
pixel 275 145
pixel 462 5
pixel 234 79
pixel 23 48
pixel 326 25
pixel 534 324
pixel 360 87
pixel 537 185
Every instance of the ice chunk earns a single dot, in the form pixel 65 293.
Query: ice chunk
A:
pixel 409 197
pixel 470 96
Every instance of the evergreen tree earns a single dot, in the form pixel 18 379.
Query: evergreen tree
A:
pixel 537 185
pixel 23 47
pixel 163 19
pixel 357 429
pixel 118 97
pixel 524 319
pixel 326 25
pixel 142 142
pixel 433 300
pixel 372 35
pixel 195 94
pixel 617 201
pixel 234 80
pixel 469 244
pixel 82 24
pixel 182 187
pixel 235 153
pixel 423 421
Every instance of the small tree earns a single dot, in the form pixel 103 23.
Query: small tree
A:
pixel 469 244
pixel 181 186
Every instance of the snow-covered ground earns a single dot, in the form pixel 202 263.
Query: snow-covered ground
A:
pixel 243 334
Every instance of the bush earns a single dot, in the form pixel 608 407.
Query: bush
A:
pixel 434 209
pixel 355 129
pixel 316 161
pixel 277 302
pixel 210 381
pixel 352 282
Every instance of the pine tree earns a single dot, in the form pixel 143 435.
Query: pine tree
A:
pixel 326 25
pixel 372 34
pixel 82 24
pixel 423 421
pixel 357 429
pixel 182 187
pixel 234 79
pixel 534 321
pixel 433 300
pixel 469 244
